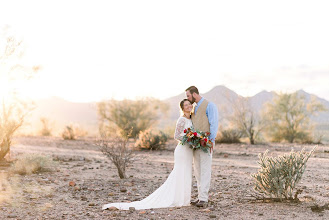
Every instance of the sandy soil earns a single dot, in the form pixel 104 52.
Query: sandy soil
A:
pixel 49 195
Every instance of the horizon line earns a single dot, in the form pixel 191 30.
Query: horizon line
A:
pixel 163 99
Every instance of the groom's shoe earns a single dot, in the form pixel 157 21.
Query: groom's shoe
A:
pixel 202 204
pixel 194 202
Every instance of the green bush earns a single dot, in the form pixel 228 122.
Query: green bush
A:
pixel 151 141
pixel 31 163
pixel 229 136
pixel 129 117
pixel 288 117
pixel 278 176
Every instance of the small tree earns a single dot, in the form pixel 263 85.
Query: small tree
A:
pixel 129 116
pixel 117 150
pixel 13 73
pixel 277 177
pixel 246 119
pixel 289 117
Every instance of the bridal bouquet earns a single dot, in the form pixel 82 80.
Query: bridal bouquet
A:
pixel 197 140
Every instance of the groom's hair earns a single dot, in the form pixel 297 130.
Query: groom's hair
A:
pixel 192 89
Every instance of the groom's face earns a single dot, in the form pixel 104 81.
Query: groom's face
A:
pixel 190 97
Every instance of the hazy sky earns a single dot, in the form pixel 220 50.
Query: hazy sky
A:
pixel 90 50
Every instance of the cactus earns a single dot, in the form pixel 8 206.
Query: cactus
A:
pixel 278 176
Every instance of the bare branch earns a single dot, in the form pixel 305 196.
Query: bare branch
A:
pixel 119 153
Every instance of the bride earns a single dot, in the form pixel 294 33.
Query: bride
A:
pixel 176 191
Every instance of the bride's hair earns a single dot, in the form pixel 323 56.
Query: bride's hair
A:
pixel 181 104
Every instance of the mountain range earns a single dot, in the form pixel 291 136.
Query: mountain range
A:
pixel 223 97
pixel 61 112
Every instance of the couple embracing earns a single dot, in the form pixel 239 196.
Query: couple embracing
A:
pixel 176 190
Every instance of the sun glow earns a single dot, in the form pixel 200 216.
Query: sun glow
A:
pixel 6 90
pixel 133 49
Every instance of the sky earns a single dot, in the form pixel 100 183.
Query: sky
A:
pixel 94 50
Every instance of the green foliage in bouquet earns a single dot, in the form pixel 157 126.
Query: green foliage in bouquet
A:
pixel 197 139
pixel 151 140
pixel 278 176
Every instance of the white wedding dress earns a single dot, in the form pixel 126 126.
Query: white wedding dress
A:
pixel 176 190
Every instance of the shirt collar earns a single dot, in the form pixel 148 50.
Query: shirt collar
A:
pixel 201 100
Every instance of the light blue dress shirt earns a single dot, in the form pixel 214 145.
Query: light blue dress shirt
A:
pixel 212 114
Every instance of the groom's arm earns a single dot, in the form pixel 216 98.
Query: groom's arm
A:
pixel 212 114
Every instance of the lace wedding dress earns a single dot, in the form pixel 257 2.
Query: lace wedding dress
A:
pixel 176 190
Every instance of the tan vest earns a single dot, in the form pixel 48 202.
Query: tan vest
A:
pixel 200 120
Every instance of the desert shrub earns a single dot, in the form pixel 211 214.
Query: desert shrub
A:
pixel 11 118
pixel 80 131
pixel 278 176
pixel 119 153
pixel 31 163
pixel 129 116
pixel 229 136
pixel 46 127
pixel 151 140
pixel 316 138
pixel 69 133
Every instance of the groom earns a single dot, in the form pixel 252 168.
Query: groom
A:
pixel 204 118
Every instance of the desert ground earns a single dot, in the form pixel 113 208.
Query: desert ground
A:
pixel 83 179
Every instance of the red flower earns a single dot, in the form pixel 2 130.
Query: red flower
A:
pixel 205 139
pixel 185 131
pixel 195 134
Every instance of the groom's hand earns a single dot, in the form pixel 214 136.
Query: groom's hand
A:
pixel 212 146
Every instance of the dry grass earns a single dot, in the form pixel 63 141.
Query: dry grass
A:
pixel 32 163
pixel 5 188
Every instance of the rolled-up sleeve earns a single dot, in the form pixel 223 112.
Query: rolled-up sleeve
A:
pixel 212 114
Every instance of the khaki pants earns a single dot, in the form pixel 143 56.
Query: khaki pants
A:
pixel 202 171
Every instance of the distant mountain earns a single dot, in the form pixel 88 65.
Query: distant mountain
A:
pixel 258 100
pixel 322 117
pixel 62 112
pixel 223 97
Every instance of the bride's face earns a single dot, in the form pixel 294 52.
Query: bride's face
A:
pixel 187 106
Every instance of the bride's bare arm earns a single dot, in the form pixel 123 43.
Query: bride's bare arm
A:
pixel 180 126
